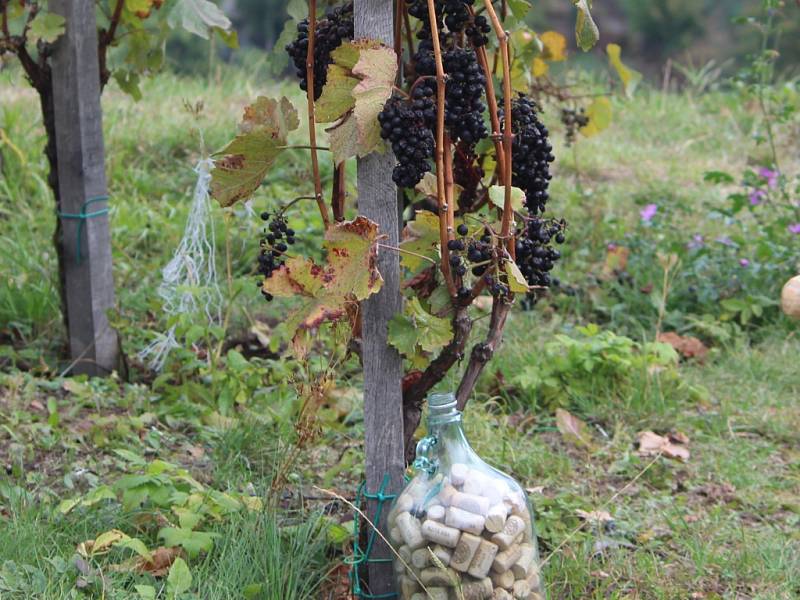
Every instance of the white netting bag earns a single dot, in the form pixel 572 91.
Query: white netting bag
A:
pixel 189 283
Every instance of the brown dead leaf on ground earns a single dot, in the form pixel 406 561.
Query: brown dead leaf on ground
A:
pixel 687 346
pixel 652 444
pixel 162 561
pixel 717 493
pixel 573 429
pixel 596 516
pixel 616 261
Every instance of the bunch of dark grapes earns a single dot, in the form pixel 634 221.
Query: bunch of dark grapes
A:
pixel 278 236
pixel 463 111
pixel 532 154
pixel 535 255
pixel 573 120
pixel 330 32
pixel 404 125
pixel 455 14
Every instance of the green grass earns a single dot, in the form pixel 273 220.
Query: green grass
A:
pixel 722 525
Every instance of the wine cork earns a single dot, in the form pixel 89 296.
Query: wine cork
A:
pixel 444 555
pixel 445 496
pixel 523 566
pixel 434 576
pixel 513 528
pixel 464 551
pixel 503 580
pixel 515 501
pixel 533 580
pixel 496 490
pixel 436 512
pixel 410 530
pixel 404 503
pixel 404 552
pixel 465 521
pixel 483 559
pixel 458 474
pixel 521 589
pixel 419 596
pixel 496 518
pixel 470 502
pixel 441 534
pixel 420 558
pixel 408 586
pixel 477 590
pixel 436 593
pixel 501 594
pixel 473 486
pixel 506 559
pixel 395 536
pixel 535 596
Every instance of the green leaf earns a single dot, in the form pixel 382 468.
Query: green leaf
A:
pixel 516 280
pixel 128 82
pixel 718 177
pixel 179 579
pixel 630 78
pixel 586 32
pixel 323 291
pixel 359 83
pixel 246 160
pixel 419 328
pixel 421 236
pixel 194 542
pixel 46 27
pixel 136 545
pixel 519 8
pixel 600 115
pixel 199 17
pixel 497 194
pixel 252 591
pixel 146 592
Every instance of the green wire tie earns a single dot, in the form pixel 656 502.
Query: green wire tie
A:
pixel 82 217
pixel 359 556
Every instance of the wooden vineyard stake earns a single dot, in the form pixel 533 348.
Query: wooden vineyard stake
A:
pixel 383 365
pixel 82 189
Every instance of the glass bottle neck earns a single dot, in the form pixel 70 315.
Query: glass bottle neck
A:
pixel 451 442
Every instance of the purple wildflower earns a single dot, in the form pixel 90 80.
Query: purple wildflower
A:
pixel 756 196
pixel 794 228
pixel 696 242
pixel 744 262
pixel 770 176
pixel 725 240
pixel 648 212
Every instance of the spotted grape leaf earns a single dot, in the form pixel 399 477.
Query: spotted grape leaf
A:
pixel 600 114
pixel 350 274
pixel 246 159
pixel 199 17
pixel 46 27
pixel 420 238
pixel 586 32
pixel 516 280
pixel 417 329
pixel 497 194
pixel 360 81
pixel 630 78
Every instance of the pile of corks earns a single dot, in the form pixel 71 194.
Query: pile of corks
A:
pixel 465 535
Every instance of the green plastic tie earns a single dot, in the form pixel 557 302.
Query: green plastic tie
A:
pixel 82 217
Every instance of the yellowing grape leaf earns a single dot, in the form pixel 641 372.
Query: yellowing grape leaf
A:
pixel 350 274
pixel 421 236
pixel 360 81
pixel 555 46
pixel 497 194
pixel 246 159
pixel 46 27
pixel 600 114
pixel 586 32
pixel 516 280
pixel 630 78
pixel 540 67
pixel 417 329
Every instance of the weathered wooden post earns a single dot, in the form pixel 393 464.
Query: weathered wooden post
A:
pixel 82 190
pixel 383 365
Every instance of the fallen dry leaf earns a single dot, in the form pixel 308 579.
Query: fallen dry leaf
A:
pixel 595 516
pixel 162 561
pixel 687 346
pixel 573 429
pixel 651 444
pixel 678 437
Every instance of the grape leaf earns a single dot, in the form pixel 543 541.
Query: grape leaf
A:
pixel 519 8
pixel 416 327
pixel 630 78
pixel 516 280
pixel 586 32
pixel 246 160
pixel 46 27
pixel 199 17
pixel 555 46
pixel 600 114
pixel 194 542
pixel 421 236
pixel 359 82
pixel 349 275
pixel 497 194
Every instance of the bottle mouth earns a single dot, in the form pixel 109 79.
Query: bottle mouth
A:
pixel 440 405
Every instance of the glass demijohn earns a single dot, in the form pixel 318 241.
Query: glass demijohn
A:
pixel 462 529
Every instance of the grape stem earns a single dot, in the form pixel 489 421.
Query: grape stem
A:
pixel 312 129
pixel 441 193
pixel 339 192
